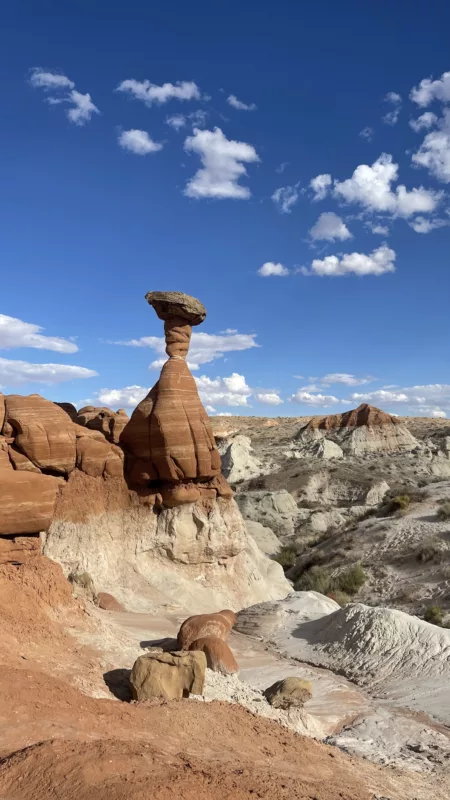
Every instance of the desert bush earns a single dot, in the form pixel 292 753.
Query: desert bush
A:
pixel 430 550
pixel 434 615
pixel 341 598
pixel 398 503
pixel 315 579
pixel 443 512
pixel 286 557
pixel 350 580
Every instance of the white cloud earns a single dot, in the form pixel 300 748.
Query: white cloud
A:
pixel 138 142
pixel 424 225
pixel 438 413
pixel 281 167
pixel 381 230
pixel 434 154
pixel 370 186
pixel 83 107
pixel 309 399
pixel 224 414
pixel 228 391
pixel 330 227
pixel 428 399
pixel 345 378
pixel 320 186
pixel 128 397
pixel 16 333
pixel 367 133
pixel 41 79
pixel 378 262
pixel 425 121
pixel 233 101
pixel 176 121
pixel 429 90
pixel 14 373
pixel 150 93
pixel 270 269
pixel 205 347
pixel 391 118
pixel 223 165
pixel 269 398
pixel 285 198
pixel 198 118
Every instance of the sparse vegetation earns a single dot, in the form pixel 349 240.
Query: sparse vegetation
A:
pixel 286 557
pixel 398 503
pixel 341 598
pixel 443 512
pixel 315 579
pixel 351 579
pixel 434 615
pixel 319 579
pixel 430 550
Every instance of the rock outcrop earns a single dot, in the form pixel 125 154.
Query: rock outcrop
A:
pixel 205 625
pixel 362 430
pixel 264 537
pixel 109 423
pixel 275 510
pixel 238 460
pixel 219 657
pixel 169 676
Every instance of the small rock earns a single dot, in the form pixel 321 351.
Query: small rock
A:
pixel 289 693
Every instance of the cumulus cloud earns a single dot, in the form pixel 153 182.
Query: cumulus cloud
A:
pixel 320 186
pixel 233 101
pixel 367 133
pixel 270 269
pixel 223 165
pixel 229 391
pixel 378 262
pixel 128 397
pixel 425 121
pixel 381 230
pixel 309 399
pixel 391 118
pixel 285 198
pixel 424 399
pixel 204 348
pixel 82 107
pixel 330 227
pixel 437 412
pixel 16 333
pixel 434 154
pixel 269 398
pixel 150 93
pixel 176 121
pixel 429 90
pixel 371 187
pixel 138 142
pixel 42 79
pixel 15 373
pixel 424 225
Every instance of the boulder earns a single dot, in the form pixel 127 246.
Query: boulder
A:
pixel 20 462
pixel 107 422
pixel 27 502
pixel 264 537
pixel 70 410
pixel 108 602
pixel 205 625
pixel 169 676
pixel 276 510
pixel 324 521
pixel 219 657
pixel 42 431
pixel 238 461
pixel 289 693
pixel 97 458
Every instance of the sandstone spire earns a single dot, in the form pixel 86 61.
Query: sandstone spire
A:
pixel 169 440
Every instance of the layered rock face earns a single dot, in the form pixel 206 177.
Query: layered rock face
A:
pixel 362 430
pixel 152 520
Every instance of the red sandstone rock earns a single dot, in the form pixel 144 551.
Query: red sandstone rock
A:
pixel 219 657
pixel 27 502
pixel 42 431
pixel 108 602
pixel 98 458
pixel 70 409
pixel 109 423
pixel 2 411
pixel 20 549
pixel 5 463
pixel 20 462
pixel 365 414
pixel 203 625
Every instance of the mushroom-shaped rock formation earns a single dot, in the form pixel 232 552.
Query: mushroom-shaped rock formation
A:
pixel 169 438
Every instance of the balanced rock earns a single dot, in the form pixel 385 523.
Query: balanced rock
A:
pixel 219 657
pixel 289 693
pixel 203 625
pixel 169 676
pixel 169 437
pixel 42 431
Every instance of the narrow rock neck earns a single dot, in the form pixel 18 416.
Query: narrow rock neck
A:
pixel 178 336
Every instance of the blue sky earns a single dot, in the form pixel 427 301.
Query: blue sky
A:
pixel 288 164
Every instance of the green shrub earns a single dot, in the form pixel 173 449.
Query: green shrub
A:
pixel 398 503
pixel 350 580
pixel 434 615
pixel 443 512
pixel 341 598
pixel 315 579
pixel 286 557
